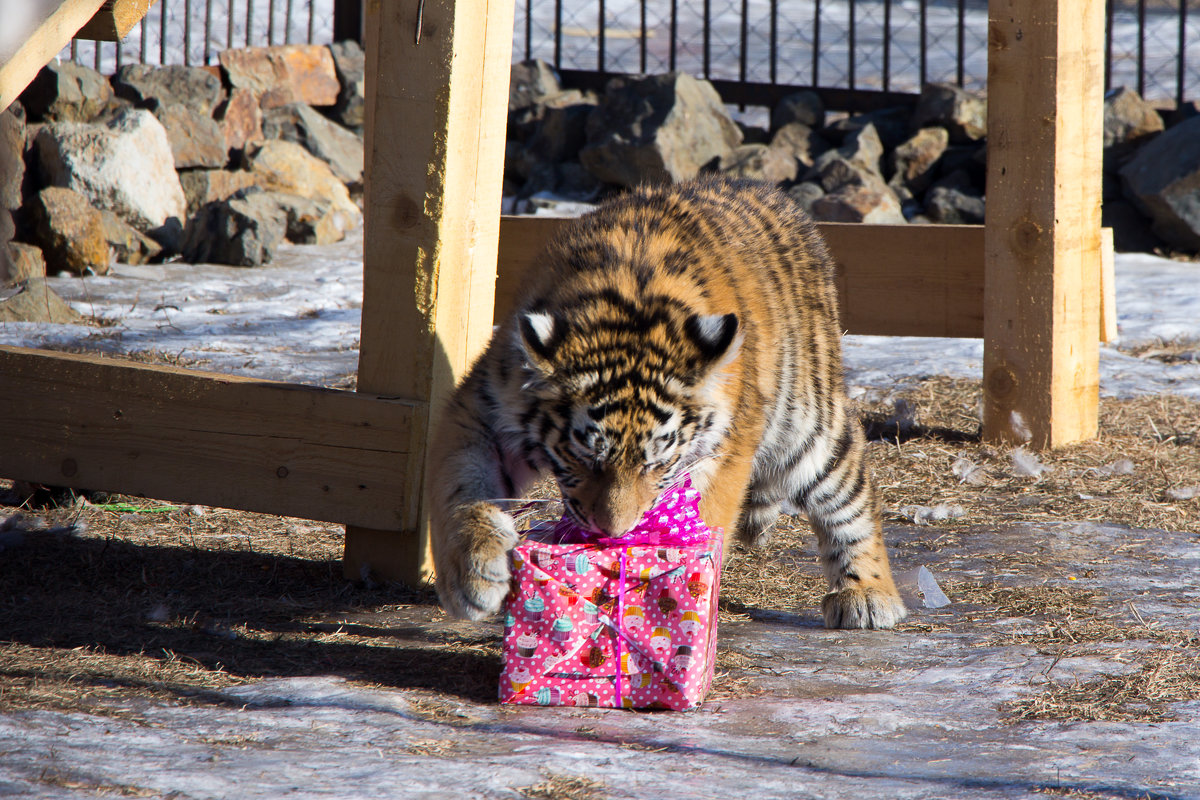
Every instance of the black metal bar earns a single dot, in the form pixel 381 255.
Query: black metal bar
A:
pixel 287 21
pixel 600 26
pixel 187 33
pixel 924 35
pixel 208 30
pixel 528 30
pixel 312 15
pixel 1141 51
pixel 347 20
pixel 162 33
pixel 75 50
pixel 816 68
pixel 674 35
pixel 774 55
pixel 1110 7
pixel 249 20
pixel 558 34
pixel 270 22
pixel 961 33
pixel 707 39
pixel 96 56
pixel 853 44
pixel 1181 61
pixel 143 40
pixel 887 45
pixel 744 45
pixel 642 41
pixel 229 26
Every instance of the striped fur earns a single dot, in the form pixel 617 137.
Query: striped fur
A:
pixel 686 328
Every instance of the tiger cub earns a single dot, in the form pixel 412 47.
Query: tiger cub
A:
pixel 690 328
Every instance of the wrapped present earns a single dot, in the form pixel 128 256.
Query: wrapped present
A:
pixel 627 622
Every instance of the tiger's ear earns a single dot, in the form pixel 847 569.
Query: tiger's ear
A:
pixel 541 334
pixel 718 337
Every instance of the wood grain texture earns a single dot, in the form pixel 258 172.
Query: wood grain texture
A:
pixel 1042 240
pixel 105 424
pixel 437 102
pixel 898 280
pixel 52 32
pixel 114 20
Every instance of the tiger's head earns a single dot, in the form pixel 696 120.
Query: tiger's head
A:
pixel 627 399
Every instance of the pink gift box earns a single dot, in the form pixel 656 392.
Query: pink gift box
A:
pixel 573 637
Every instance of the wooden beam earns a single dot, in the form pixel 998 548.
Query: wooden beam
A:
pixel 895 280
pixel 154 431
pixel 437 102
pixel 1042 240
pixel 115 19
pixel 51 27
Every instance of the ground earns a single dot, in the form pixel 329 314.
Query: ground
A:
pixel 1072 643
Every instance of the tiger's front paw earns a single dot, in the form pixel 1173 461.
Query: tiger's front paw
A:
pixel 472 567
pixel 863 607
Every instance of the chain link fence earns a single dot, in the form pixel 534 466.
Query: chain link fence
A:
pixel 862 46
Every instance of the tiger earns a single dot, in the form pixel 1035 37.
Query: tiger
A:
pixel 680 329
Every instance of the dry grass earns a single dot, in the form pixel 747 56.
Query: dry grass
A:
pixel 103 603
pixel 564 787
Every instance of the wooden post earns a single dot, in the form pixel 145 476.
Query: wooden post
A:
pixel 1042 240
pixel 437 102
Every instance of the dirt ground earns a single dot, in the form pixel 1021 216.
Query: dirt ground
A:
pixel 118 597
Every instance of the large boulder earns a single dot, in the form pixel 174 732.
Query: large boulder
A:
pixel 154 87
pixel 309 221
pixel 287 167
pixel 801 142
pixel 328 141
pixel 203 186
pixel 243 231
pixel 284 74
pixel 126 243
pixel 892 126
pixel 804 107
pixel 953 200
pixel 657 129
pixel 951 107
pixel 124 165
pixel 12 156
pixel 872 202
pixel 70 232
pixel 240 119
pixel 531 83
pixel 33 301
pixel 350 63
pixel 1127 117
pixel 912 163
pixel 25 261
pixel 760 162
pixel 1163 181
pixel 196 139
pixel 64 91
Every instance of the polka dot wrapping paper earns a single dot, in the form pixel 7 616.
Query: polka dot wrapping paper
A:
pixel 617 625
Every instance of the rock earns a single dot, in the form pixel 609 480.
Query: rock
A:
pixel 531 83
pixel 657 129
pixel 126 243
pixel 70 232
pixel 912 163
pixel 34 302
pixel 154 87
pixel 12 157
pixel 240 119
pixel 801 142
pixel 970 160
pixel 805 194
pixel 287 167
pixel 203 186
pixel 64 91
pixel 760 162
pixel 25 261
pixel 1163 181
pixel 243 231
pixel 1128 117
pixel 350 64
pixel 196 139
pixel 753 134
pixel 890 124
pixel 8 230
pixel 125 166
pixel 945 105
pixel 805 107
pixel 336 146
pixel 1183 112
pixel 309 221
pixel 834 170
pixel 953 201
pixel 284 74
pixel 1131 230
pixel 872 203
pixel 557 134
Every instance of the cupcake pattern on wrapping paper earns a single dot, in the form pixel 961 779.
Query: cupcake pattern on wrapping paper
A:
pixel 564 613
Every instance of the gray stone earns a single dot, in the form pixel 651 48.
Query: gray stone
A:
pixel 1163 181
pixel 968 159
pixel 805 194
pixel 203 186
pixel 240 119
pixel 954 206
pixel 287 167
pixel 196 138
pixel 861 151
pixel 872 203
pixel 154 87
pixel 125 166
pixel 33 301
pixel 945 105
pixel 350 63
pixel 12 157
pixel 1183 112
pixel 70 232
pixel 805 107
pixel 530 83
pixel 243 231
pixel 892 125
pixel 801 142
pixel 1131 229
pixel 283 74
pixel 25 261
pixel 912 163
pixel 760 162
pixel 1128 117
pixel 557 135
pixel 126 243
pixel 657 129
pixel 753 134
pixel 64 91
pixel 834 170
pixel 308 221
pixel 333 144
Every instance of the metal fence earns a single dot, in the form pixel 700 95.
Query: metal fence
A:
pixel 865 52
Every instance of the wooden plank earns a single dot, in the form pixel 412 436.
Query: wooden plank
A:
pixel 50 28
pixel 114 20
pixel 1108 287
pixel 106 424
pixel 1042 241
pixel 437 102
pixel 898 280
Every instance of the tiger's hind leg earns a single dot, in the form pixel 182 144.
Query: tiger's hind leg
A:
pixel 837 495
